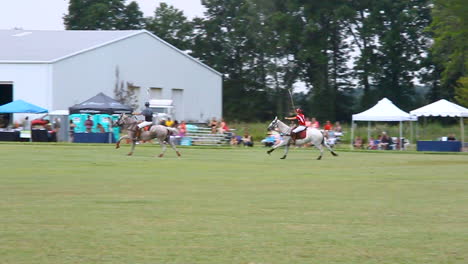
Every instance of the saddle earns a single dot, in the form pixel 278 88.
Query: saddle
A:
pixel 300 135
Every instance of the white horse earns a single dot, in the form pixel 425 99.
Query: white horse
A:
pixel 161 133
pixel 313 136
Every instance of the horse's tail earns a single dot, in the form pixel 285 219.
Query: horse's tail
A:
pixel 323 137
pixel 173 130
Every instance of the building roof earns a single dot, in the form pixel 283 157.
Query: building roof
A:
pixel 49 46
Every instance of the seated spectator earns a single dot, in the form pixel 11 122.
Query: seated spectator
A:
pixel 235 140
pixel 315 123
pixel 308 123
pixel 223 127
pixel 372 144
pixel 451 137
pixel 384 141
pixel 337 127
pixel 247 140
pixel 214 125
pixel 358 142
pixel 328 126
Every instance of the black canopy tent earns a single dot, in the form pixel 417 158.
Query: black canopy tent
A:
pixel 100 104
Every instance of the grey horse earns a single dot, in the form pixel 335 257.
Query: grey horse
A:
pixel 159 132
pixel 313 136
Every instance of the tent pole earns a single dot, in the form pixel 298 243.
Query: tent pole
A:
pixel 401 133
pixel 462 136
pixel 411 131
pixel 352 133
pixel 368 130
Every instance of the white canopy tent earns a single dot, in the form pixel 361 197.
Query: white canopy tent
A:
pixel 444 108
pixel 384 111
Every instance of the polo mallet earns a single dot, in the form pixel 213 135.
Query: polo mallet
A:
pixel 292 100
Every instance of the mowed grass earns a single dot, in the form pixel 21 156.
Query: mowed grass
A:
pixel 92 204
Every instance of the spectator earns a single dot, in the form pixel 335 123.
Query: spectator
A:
pixel 451 137
pixel 247 140
pixel 308 123
pixel 214 125
pixel 315 123
pixel 223 127
pixel 71 130
pixel 371 144
pixel 89 124
pixel 100 128
pixel 337 127
pixel 182 129
pixel 26 124
pixel 169 122
pixel 358 142
pixel 328 126
pixel 56 125
pixel 235 140
pixel 384 141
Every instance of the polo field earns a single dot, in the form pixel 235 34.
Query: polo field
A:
pixel 91 203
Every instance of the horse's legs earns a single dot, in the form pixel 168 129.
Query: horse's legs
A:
pixel 319 146
pixel 163 146
pixel 117 144
pixel 286 150
pixel 329 148
pixel 282 143
pixel 171 142
pixel 132 148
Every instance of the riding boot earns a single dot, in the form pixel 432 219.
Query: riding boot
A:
pixel 137 134
pixel 293 138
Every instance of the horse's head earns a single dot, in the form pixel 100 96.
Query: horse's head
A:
pixel 273 124
pixel 121 120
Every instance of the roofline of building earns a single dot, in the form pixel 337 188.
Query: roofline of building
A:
pixel 108 43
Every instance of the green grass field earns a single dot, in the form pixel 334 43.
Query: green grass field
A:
pixel 70 203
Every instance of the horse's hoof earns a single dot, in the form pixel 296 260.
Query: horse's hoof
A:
pixel 284 157
pixel 334 154
pixel 129 154
pixel 117 146
pixel 319 158
pixel 269 152
pixel 178 154
pixel 160 155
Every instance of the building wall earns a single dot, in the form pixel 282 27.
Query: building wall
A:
pixel 146 63
pixel 31 83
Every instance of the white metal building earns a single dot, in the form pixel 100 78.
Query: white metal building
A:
pixel 57 69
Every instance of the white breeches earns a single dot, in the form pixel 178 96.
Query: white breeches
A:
pixel 144 123
pixel 299 129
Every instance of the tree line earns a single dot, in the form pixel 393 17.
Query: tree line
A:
pixel 345 54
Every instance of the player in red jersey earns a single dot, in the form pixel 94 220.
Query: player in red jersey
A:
pixel 301 123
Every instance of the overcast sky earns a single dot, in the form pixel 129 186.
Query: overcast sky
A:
pixel 48 14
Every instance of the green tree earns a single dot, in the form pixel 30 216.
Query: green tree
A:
pixel 133 17
pixel 102 14
pixel 170 24
pixel 450 28
pixel 232 40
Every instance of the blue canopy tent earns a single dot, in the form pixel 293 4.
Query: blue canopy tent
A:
pixel 20 106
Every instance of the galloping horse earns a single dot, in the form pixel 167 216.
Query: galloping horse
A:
pixel 161 133
pixel 313 136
